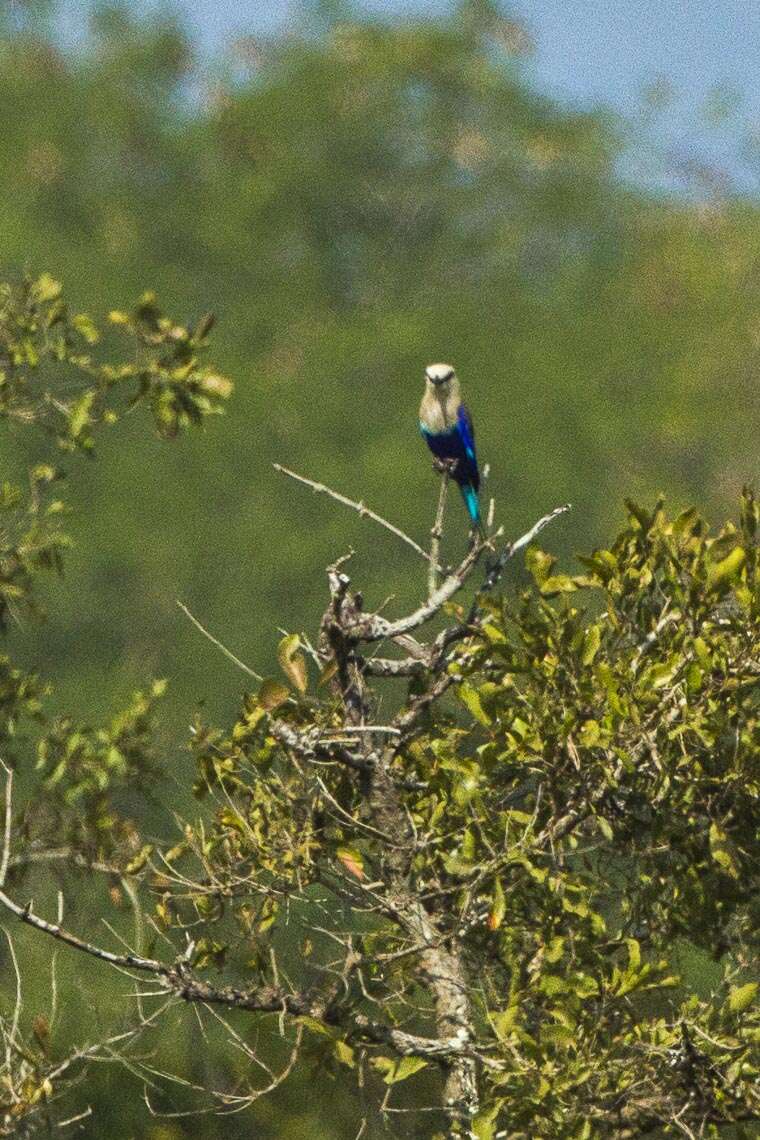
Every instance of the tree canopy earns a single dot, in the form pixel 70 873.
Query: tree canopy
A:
pixel 496 884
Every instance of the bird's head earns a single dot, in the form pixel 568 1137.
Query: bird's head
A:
pixel 441 379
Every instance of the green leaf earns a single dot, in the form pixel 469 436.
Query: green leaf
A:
pixel 605 827
pixel 86 328
pixel 345 1054
pixel 590 733
pixel 721 573
pixel 634 953
pixel 592 639
pixel 645 520
pixel 555 949
pixel 539 564
pixel 328 672
pixel 484 1124
pixel 79 413
pixel 557 1034
pixel 720 851
pixel 552 985
pixel 404 1068
pixel 741 997
pixel 46 288
pixel 272 694
pixel 315 1026
pixel 292 661
pixel 503 1022
pixel 602 563
pixel 470 697
pixel 467 783
pixel 559 584
pixel 498 907
pixel 139 860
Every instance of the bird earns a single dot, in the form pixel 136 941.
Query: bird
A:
pixel 447 429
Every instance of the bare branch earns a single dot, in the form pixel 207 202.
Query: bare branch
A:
pixel 76 1119
pixel 358 729
pixel 222 648
pixel 512 548
pixel 410 1044
pixel 409 716
pixel 177 978
pixel 128 961
pixel 18 1004
pixel 363 510
pixel 308 746
pixel 374 627
pixel 62 855
pixel 8 822
pixel 436 534
pixel 413 647
pixel 387 667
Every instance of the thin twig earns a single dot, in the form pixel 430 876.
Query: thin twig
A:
pixel 363 510
pixel 353 729
pixel 8 821
pixel 536 529
pixel 408 717
pixel 390 667
pixel 436 534
pixel 129 961
pixel 495 569
pixel 223 648
pixel 13 1036
pixel 75 1119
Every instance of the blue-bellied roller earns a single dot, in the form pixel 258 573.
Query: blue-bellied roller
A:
pixel 447 429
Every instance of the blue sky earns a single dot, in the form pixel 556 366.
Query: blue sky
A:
pixel 589 52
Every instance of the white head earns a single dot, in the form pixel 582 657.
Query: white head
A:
pixel 441 380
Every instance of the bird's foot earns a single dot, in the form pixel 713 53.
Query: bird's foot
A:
pixel 442 466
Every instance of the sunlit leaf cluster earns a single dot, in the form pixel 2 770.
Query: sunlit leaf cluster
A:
pixel 52 373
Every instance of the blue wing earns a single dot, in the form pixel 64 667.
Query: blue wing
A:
pixel 467 435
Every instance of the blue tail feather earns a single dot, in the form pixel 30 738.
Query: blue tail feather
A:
pixel 471 501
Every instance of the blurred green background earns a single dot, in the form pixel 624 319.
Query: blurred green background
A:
pixel 355 195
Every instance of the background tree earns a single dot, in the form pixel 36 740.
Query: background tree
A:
pixel 315 185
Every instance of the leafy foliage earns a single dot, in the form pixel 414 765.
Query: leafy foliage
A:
pixel 84 773
pixel 85 776
pixel 31 539
pixel 592 814
pixel 48 374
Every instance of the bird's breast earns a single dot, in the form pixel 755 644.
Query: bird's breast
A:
pixel 435 415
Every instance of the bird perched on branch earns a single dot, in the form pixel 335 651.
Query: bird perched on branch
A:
pixel 447 429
